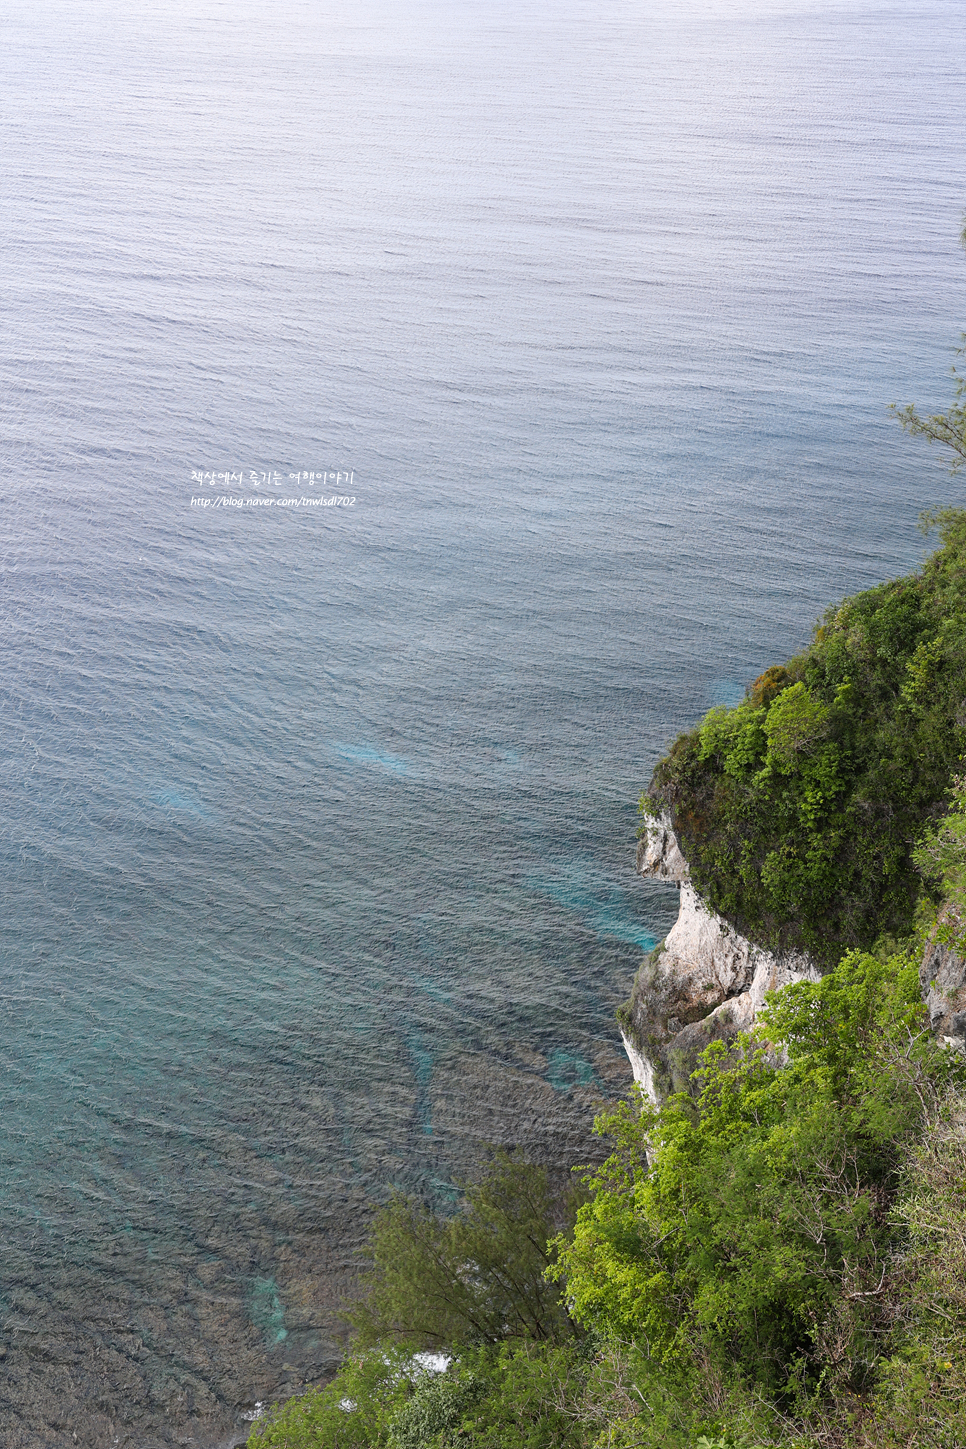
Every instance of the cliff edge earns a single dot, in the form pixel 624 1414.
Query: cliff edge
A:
pixel 703 982
pixel 706 981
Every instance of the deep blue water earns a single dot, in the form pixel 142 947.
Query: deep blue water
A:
pixel 317 822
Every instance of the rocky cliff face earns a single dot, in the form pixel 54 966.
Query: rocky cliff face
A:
pixel 705 981
pixel 942 977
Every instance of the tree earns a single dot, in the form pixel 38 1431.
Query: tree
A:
pixel 476 1277
pixel 941 856
pixel 750 1229
pixel 473 1284
pixel 948 428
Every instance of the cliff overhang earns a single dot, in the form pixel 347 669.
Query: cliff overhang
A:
pixel 704 982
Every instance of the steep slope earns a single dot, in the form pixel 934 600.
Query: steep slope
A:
pixel 790 822
pixel 705 981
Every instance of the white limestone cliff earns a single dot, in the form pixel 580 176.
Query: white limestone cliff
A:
pixel 704 982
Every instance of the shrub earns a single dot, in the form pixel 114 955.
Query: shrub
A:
pixel 922 1393
pixel 475 1276
pixel 757 1237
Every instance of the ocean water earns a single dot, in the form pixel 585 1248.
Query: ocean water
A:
pixel 317 818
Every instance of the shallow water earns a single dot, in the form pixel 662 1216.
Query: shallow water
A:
pixel 318 821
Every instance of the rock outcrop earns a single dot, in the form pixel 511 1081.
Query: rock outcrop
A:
pixel 942 977
pixel 705 981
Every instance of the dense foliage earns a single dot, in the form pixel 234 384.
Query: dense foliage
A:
pixel 759 1236
pixel 763 1263
pixel 941 856
pixel 475 1277
pixel 798 810
pixel 922 1391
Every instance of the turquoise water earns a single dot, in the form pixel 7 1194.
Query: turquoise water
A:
pixel 317 823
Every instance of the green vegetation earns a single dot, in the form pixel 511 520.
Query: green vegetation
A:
pixel 788 1271
pixel 948 428
pixel 419 1291
pixel 798 810
pixel 475 1284
pixel 774 1258
pixel 754 1253
pixel 941 856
